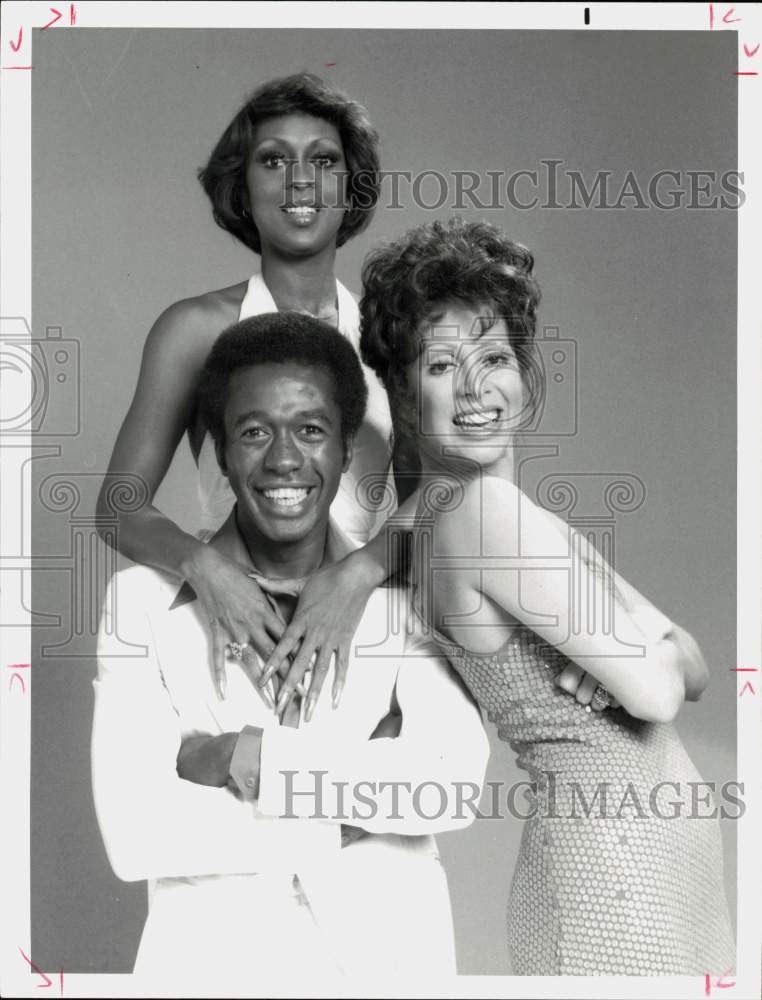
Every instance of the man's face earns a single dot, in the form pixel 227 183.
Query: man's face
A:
pixel 283 451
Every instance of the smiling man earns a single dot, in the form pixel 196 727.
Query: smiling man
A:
pixel 297 846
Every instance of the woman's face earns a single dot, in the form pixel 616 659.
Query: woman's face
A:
pixel 296 181
pixel 469 390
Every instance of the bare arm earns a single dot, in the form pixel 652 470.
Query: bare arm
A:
pixel 162 409
pixel 654 625
pixel 650 678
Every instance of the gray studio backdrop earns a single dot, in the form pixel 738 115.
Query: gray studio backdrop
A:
pixel 121 121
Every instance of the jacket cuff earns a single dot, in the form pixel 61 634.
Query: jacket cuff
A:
pixel 245 762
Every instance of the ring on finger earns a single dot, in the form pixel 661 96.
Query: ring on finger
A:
pixel 237 649
pixel 601 697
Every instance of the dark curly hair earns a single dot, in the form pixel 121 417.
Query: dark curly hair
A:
pixel 279 338
pixel 224 176
pixel 417 277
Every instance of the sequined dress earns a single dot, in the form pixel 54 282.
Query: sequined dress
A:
pixel 620 891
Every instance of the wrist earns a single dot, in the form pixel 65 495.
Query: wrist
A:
pixel 195 563
pixel 368 571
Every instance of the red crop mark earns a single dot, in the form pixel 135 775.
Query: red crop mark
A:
pixel 727 19
pixel 56 18
pixel 48 980
pixel 17 46
pixel 72 14
pixel 329 65
pixel 745 670
pixel 60 980
pixel 753 51
pixel 16 676
pixel 719 983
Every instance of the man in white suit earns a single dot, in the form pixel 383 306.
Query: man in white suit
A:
pixel 237 815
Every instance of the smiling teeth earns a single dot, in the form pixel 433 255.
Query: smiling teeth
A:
pixel 286 497
pixel 480 419
pixel 302 210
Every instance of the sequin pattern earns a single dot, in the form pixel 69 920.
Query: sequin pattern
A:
pixel 602 886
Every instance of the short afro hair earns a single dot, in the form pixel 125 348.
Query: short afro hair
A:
pixel 224 176
pixel 416 278
pixel 282 338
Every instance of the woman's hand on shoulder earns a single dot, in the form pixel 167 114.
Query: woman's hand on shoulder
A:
pixel 238 612
pixel 329 611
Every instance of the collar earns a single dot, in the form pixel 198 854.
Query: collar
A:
pixel 258 299
pixel 228 541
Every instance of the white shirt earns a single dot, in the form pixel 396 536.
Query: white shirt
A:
pixel 213 857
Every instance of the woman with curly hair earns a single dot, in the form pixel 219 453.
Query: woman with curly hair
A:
pixel 293 177
pixel 615 875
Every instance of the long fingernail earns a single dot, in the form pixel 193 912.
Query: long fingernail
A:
pixel 268 700
pixel 221 688
pixel 283 700
pixel 265 677
pixel 309 709
pixel 336 695
pixel 301 690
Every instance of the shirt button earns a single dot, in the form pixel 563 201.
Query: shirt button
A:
pixel 250 782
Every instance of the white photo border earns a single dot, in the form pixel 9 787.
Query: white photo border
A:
pixel 17 978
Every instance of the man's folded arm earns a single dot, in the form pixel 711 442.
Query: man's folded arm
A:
pixel 154 824
pixel 425 781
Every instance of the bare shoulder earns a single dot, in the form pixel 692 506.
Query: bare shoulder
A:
pixel 511 517
pixel 482 501
pixel 193 324
pixel 502 515
pixel 488 491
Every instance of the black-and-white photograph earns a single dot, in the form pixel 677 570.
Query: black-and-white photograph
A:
pixel 378 531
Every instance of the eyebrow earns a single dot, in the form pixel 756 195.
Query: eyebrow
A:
pixel 287 142
pixel 314 414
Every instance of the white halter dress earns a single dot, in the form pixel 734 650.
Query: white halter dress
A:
pixel 366 494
